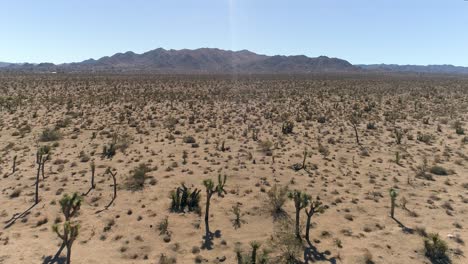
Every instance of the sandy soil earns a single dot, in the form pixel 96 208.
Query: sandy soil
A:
pixel 352 180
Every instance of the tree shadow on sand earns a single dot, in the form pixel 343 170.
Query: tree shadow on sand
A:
pixel 404 228
pixel 56 258
pixel 311 255
pixel 208 239
pixel 17 216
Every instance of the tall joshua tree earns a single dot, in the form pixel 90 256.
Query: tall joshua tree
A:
pixel 210 190
pixel 301 200
pixel 69 232
pixel 114 179
pixel 393 196
pixel 315 207
pixel 354 121
pixel 14 164
pixel 42 156
pixel 93 170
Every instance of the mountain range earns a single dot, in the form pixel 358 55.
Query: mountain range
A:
pixel 217 61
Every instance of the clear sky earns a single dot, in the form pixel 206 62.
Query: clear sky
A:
pixel 360 31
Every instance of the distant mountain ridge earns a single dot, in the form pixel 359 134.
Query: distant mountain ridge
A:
pixel 204 60
pixel 4 64
pixel 438 69
pixel 212 60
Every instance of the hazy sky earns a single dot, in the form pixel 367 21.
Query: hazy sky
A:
pixel 360 31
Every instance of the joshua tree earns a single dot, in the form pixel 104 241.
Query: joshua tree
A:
pixel 255 132
pixel 210 190
pixel 287 127
pixel 93 170
pixel 42 156
pixel 398 136
pixel 68 236
pixel 255 246
pixel 301 200
pixel 299 166
pixel 315 207
pixel 70 206
pixel 14 164
pixel 393 196
pixel 237 221
pixel 354 121
pixel 113 174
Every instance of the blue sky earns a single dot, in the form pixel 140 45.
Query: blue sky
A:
pixel 360 31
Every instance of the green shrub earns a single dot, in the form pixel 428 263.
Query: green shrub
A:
pixel 436 249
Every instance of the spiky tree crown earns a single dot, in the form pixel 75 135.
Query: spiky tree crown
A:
pixel 209 184
pixel 70 205
pixel 301 199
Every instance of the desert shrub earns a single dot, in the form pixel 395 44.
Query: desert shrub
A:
pixel 426 138
pixel 322 119
pixel 163 259
pixel 50 134
pixel 290 248
pixel 163 226
pixel 170 123
pixel 438 170
pixel 287 127
pixel 84 157
pixel 189 140
pixel 436 249
pixel 138 176
pixel 371 126
pixel 265 147
pixel 109 150
pixel 62 123
pixel 458 128
pixel 277 196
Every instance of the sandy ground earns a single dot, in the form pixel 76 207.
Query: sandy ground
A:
pixel 352 180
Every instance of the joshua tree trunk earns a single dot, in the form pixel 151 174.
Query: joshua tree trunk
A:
pixel 309 217
pixel 298 233
pixel 36 200
pixel 92 180
pixel 14 164
pixel 254 255
pixel 68 254
pixel 42 168
pixel 115 186
pixel 207 213
pixel 392 210
pixel 356 133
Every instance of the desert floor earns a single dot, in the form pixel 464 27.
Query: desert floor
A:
pixel 150 119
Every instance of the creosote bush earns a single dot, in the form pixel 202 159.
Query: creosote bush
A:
pixel 137 178
pixel 50 134
pixel 277 196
